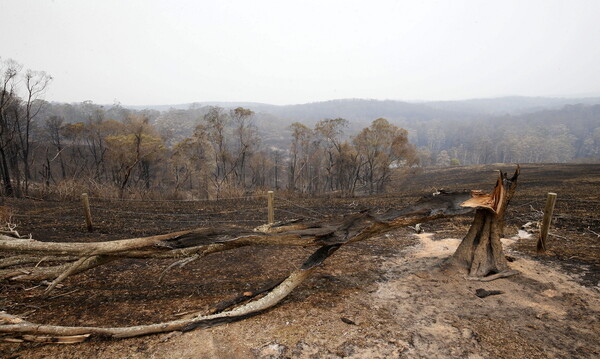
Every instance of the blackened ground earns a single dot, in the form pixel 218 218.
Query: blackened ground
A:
pixel 128 293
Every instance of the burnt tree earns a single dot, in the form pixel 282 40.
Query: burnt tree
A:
pixel 480 251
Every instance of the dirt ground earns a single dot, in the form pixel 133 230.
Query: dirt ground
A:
pixel 381 298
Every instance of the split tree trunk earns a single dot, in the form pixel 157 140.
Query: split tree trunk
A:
pixel 480 251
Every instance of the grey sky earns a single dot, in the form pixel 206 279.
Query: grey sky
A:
pixel 281 52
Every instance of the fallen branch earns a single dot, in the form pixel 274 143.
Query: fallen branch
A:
pixel 70 270
pixel 198 243
pixel 597 235
pixel 30 274
pixel 21 330
pixel 328 235
pixel 27 259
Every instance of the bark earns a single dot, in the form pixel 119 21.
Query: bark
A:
pixel 4 171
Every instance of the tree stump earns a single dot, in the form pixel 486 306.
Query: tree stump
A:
pixel 480 251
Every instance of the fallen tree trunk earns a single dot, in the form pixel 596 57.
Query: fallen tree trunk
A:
pixel 19 330
pixel 201 242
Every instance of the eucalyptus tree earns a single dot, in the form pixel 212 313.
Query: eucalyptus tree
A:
pixel 133 148
pixel 36 84
pixel 381 147
pixel 299 155
pixel 332 131
pixel 247 141
pixel 9 102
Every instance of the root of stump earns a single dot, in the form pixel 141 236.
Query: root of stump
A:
pixel 489 278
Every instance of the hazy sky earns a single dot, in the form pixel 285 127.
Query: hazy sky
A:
pixel 282 52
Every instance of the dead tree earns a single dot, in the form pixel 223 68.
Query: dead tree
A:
pixel 480 251
pixel 328 235
pixel 195 244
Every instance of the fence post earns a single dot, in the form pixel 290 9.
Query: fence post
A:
pixel 270 196
pixel 550 201
pixel 87 212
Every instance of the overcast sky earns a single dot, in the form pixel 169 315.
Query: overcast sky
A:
pixel 284 52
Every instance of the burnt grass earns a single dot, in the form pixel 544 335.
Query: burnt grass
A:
pixel 127 292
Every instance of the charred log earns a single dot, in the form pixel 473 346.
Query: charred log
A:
pixel 198 243
pixel 18 330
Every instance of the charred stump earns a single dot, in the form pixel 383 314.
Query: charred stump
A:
pixel 480 251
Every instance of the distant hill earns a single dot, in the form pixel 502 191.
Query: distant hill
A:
pixel 512 105
pixel 365 110
pixel 186 106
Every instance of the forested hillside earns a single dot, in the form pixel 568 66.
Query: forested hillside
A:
pixel 268 147
pixel 208 150
pixel 571 133
pixel 514 129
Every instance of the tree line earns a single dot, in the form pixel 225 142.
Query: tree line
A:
pixel 223 157
pixel 61 149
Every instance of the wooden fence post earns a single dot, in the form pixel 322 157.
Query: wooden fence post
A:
pixel 86 210
pixel 270 196
pixel 550 201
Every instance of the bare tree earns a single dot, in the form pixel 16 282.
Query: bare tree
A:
pixel 36 84
pixel 277 159
pixel 299 153
pixel 78 162
pixel 247 140
pixel 130 149
pixel 54 128
pixel 9 69
pixel 331 130
pixel 214 129
pixel 381 147
pixel 190 161
pixel 348 168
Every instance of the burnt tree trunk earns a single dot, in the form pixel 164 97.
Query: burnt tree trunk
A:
pixel 480 251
